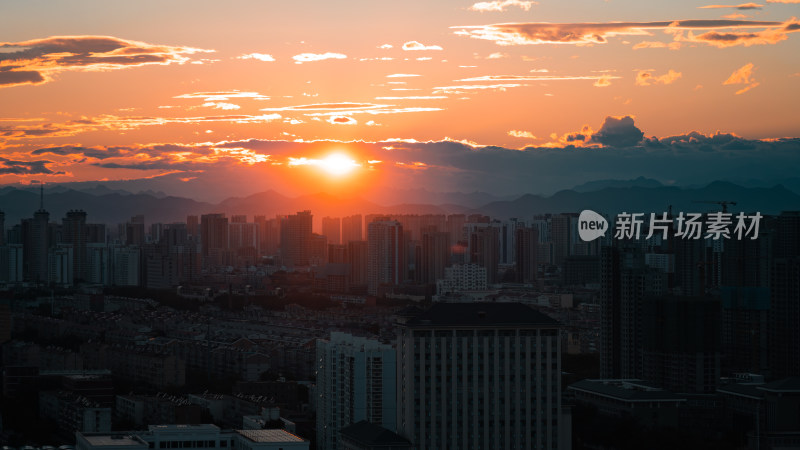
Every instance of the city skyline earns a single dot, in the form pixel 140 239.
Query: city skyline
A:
pixel 507 97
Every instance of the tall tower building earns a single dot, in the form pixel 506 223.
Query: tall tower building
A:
pixel 484 249
pixel 385 254
pixel 435 256
pixel 296 238
pixel 480 376
pixel 358 258
pixel 213 237
pixel 356 380
pixel 352 228
pixel 36 243
pixel 193 227
pixel 74 232
pixel 526 244
pixel 332 229
pixel 625 282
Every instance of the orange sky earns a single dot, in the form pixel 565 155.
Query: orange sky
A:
pixel 150 89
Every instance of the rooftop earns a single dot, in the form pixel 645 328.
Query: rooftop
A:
pixel 370 434
pixel 113 440
pixel 626 390
pixel 481 314
pixel 269 436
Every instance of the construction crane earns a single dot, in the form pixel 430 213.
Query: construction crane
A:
pixel 723 203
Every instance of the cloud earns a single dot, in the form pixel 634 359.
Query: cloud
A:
pixel 742 6
pixel 417 46
pixel 742 75
pixel 37 61
pixel 221 105
pixel 348 109
pixel 501 5
pixel 342 120
pixel 456 89
pixel 689 159
pixel 403 75
pixel 259 56
pixel 646 78
pixel 12 167
pixel 783 1
pixel 309 57
pixel 599 33
pixel 603 81
pixel 343 106
pixel 735 38
pixel 413 97
pixel 223 95
pixel 385 46
pixel 618 132
pixel 522 134
pixel 497 55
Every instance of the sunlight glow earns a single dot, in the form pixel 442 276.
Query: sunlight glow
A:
pixel 337 164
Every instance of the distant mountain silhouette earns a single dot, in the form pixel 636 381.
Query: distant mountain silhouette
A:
pixel 637 199
pixel 602 184
pixel 114 207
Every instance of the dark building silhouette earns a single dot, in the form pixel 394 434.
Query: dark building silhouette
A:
pixel 296 238
pixel 526 241
pixel 74 232
pixel 682 347
pixel 386 263
pixel 352 228
pixel 625 283
pixel 434 255
pixel 214 238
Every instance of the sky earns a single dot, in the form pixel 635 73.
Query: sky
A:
pixel 211 99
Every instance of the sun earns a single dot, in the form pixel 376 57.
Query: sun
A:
pixel 338 164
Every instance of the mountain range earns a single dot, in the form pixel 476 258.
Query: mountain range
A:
pixel 112 206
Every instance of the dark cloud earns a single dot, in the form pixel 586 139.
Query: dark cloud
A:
pixel 618 132
pixel 599 33
pixel 11 167
pixel 30 62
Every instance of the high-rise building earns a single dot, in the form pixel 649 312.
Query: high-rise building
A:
pixel 480 376
pixel 332 229
pixel 784 318
pixel 484 249
pixel 213 238
pixel 296 237
pixel 2 228
pixel 352 228
pixel 358 258
pixel 134 231
pixel 36 242
pixel 386 263
pixel 193 227
pixel 526 246
pixel 455 227
pixel 435 256
pixel 356 380
pixel 625 281
pixel 269 232
pixel 74 233
pixel 681 350
pixel 563 228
